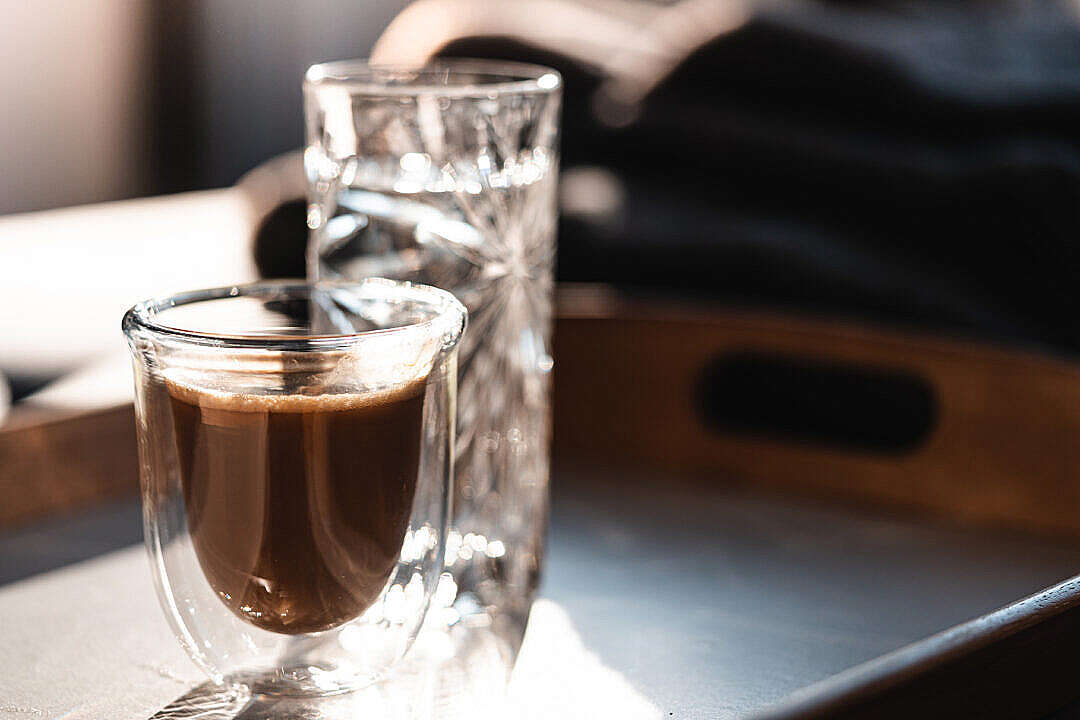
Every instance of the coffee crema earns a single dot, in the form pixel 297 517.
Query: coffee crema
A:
pixel 297 505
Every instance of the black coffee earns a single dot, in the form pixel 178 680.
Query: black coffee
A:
pixel 298 505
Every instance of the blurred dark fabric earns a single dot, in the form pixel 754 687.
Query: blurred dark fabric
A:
pixel 914 163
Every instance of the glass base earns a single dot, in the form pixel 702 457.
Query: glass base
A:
pixel 461 671
pixel 300 681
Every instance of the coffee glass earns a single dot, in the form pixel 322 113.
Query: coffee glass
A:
pixel 296 454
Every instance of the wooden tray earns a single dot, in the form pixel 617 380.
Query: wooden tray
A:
pixel 956 429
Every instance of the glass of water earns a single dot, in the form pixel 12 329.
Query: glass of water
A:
pixel 446 175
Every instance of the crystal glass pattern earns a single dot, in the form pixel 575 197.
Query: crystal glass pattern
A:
pixel 446 175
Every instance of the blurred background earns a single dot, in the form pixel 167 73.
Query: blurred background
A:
pixel 908 161
pixel 807 248
pixel 115 99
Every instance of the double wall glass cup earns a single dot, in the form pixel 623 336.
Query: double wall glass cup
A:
pixel 295 447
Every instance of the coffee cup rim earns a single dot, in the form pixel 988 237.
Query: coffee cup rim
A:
pixel 448 316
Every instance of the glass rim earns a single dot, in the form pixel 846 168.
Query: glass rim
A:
pixel 446 310
pixel 508 77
